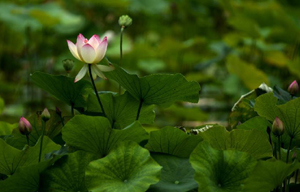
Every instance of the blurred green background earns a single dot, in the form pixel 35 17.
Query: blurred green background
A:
pixel 229 46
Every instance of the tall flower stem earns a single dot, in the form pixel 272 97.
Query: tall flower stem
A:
pixel 288 152
pixel 121 52
pixel 42 137
pixel 95 89
pixel 279 148
pixel 27 137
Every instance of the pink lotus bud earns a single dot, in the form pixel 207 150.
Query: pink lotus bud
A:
pixel 24 126
pixel 277 127
pixel 293 88
pixel 45 115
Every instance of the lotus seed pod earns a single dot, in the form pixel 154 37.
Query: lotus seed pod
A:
pixel 125 21
pixel 68 65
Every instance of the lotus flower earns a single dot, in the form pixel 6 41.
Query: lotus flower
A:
pixel 90 52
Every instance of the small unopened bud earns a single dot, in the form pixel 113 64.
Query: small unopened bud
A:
pixel 277 127
pixel 293 88
pixel 68 64
pixel 45 115
pixel 24 126
pixel 58 111
pixel 294 156
pixel 125 21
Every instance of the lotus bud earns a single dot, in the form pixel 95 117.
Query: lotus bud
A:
pixel 293 88
pixel 125 21
pixel 277 127
pixel 24 126
pixel 45 115
pixel 68 65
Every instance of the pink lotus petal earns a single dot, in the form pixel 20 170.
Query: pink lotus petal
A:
pixel 96 70
pixel 81 73
pixel 101 50
pixel 73 49
pixel 94 41
pixel 88 54
pixel 79 43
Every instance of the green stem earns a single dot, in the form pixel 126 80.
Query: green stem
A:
pixel 27 137
pixel 275 151
pixel 279 148
pixel 42 137
pixel 72 110
pixel 95 89
pixel 139 109
pixel 121 52
pixel 288 152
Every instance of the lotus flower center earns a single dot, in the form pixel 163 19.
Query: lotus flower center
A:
pixel 85 41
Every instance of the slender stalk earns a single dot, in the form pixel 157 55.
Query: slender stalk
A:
pixel 275 151
pixel 139 109
pixel 99 101
pixel 279 148
pixel 121 52
pixel 288 152
pixel 72 110
pixel 27 137
pixel 42 137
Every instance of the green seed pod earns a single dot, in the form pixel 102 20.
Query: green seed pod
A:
pixel 68 64
pixel 125 21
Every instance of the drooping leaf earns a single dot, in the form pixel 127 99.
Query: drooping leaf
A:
pixel 128 168
pixel 243 109
pixel 68 173
pixel 63 88
pixel 253 142
pixel 172 141
pixel 95 135
pixel 268 174
pixel 219 171
pixel 121 110
pixel 7 128
pixel 159 89
pixel 177 174
pixel 53 128
pixel 11 158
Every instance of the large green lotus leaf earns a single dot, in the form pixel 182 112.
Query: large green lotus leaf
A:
pixel 12 158
pixel 53 128
pixel 25 179
pixel 220 171
pixel 177 174
pixel 248 73
pixel 127 168
pixel 7 128
pixel 258 123
pixel 63 88
pixel 159 89
pixel 243 109
pixel 268 174
pixel 121 110
pixel 289 113
pixel 253 142
pixel 95 135
pixel 172 141
pixel 68 173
